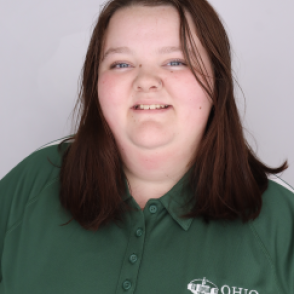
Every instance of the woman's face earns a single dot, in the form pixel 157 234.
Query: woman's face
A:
pixel 146 72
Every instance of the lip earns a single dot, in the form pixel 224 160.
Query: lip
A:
pixel 150 102
pixel 151 111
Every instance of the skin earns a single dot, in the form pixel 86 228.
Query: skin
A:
pixel 156 147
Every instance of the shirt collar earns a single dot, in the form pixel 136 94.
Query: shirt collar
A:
pixel 177 201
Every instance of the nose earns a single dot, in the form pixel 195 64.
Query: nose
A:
pixel 146 82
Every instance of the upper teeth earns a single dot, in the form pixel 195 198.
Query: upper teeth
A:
pixel 152 106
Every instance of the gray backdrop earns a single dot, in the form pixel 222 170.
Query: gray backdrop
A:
pixel 43 45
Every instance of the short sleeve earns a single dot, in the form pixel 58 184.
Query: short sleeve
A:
pixel 22 184
pixel 275 230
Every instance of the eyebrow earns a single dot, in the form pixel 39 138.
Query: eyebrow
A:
pixel 162 50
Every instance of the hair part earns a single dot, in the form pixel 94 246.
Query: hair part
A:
pixel 227 179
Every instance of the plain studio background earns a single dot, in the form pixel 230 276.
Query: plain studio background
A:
pixel 43 46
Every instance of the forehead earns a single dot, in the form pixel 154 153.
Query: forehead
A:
pixel 141 26
pixel 137 17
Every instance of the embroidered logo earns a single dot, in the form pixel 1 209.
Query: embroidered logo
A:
pixel 204 286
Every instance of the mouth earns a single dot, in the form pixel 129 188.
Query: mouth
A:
pixel 150 107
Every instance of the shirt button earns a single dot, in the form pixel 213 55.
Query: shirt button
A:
pixel 127 285
pixel 139 232
pixel 133 258
pixel 152 208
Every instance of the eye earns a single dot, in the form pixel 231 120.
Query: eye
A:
pixel 114 65
pixel 177 61
pixel 118 65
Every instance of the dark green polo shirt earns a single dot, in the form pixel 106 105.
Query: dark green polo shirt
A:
pixel 153 250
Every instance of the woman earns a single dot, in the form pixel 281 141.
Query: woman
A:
pixel 158 191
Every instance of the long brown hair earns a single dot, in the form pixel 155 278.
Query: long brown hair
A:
pixel 226 178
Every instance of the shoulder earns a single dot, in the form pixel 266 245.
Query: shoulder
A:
pixel 277 206
pixel 276 218
pixel 274 227
pixel 27 180
pixel 278 200
pixel 40 165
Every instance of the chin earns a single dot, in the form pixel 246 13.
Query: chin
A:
pixel 149 144
pixel 151 137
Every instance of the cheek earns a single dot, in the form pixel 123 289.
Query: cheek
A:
pixel 193 101
pixel 109 99
pixel 107 90
pixel 110 92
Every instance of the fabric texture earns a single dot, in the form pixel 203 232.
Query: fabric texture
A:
pixel 153 250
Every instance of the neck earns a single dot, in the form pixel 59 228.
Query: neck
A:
pixel 151 174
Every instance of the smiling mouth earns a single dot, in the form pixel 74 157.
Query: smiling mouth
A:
pixel 150 107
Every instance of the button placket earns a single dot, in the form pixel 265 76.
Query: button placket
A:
pixel 127 284
pixel 133 258
pixel 139 232
pixel 131 262
pixel 153 208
